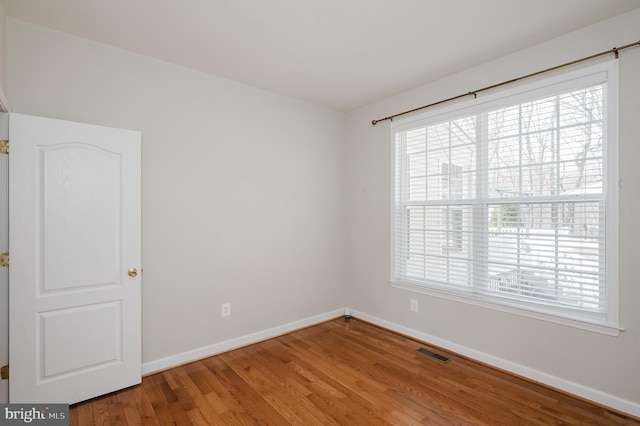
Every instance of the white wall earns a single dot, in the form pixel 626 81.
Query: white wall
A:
pixel 596 366
pixel 243 195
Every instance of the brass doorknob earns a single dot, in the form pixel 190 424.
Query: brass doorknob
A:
pixel 133 272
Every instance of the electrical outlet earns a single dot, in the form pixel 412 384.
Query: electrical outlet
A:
pixel 414 305
pixel 225 310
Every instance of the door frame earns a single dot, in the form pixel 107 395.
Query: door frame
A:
pixel 4 247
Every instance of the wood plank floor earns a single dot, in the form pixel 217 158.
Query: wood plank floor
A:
pixel 338 373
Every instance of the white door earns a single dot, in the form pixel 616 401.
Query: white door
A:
pixel 74 234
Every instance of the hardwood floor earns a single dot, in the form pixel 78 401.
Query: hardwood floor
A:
pixel 338 373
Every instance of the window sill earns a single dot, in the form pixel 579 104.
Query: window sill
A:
pixel 548 314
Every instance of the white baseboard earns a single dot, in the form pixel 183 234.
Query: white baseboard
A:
pixel 217 348
pixel 591 394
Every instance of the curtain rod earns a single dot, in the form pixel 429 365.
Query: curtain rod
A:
pixel 474 93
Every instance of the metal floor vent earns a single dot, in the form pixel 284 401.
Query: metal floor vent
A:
pixel 433 355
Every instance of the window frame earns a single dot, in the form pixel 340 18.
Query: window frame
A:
pixel 605 323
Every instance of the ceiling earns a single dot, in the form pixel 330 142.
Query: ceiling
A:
pixel 342 54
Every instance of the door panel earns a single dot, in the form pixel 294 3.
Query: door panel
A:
pixel 81 192
pixel 101 328
pixel 74 211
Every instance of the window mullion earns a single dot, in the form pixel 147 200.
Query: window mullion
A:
pixel 480 222
pixel 557 190
pixel 447 231
pixel 402 196
pixel 519 271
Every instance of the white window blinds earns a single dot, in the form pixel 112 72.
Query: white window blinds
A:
pixel 506 199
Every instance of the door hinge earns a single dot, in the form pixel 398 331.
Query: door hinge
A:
pixel 4 146
pixel 4 372
pixel 4 260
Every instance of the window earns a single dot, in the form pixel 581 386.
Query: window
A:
pixel 511 201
